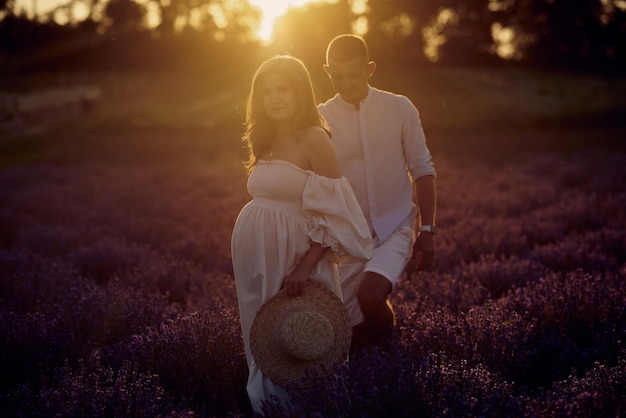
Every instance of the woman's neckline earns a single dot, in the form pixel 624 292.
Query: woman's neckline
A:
pixel 295 166
pixel 279 160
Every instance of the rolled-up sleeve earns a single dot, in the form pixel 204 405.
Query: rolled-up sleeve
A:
pixel 417 155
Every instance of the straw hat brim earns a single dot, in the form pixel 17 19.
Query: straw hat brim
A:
pixel 272 360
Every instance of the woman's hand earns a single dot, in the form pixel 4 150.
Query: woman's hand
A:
pixel 294 282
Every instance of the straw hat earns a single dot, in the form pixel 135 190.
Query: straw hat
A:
pixel 292 334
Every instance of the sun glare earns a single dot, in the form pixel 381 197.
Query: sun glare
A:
pixel 272 10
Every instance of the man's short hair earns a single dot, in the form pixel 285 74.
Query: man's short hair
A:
pixel 344 48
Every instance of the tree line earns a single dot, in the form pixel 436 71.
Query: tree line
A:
pixel 209 34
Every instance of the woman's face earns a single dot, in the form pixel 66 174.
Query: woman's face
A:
pixel 279 97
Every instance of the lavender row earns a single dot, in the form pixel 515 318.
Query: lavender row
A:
pixel 117 296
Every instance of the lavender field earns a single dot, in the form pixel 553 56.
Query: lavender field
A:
pixel 117 297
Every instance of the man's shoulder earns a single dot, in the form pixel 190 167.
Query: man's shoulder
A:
pixel 393 102
pixel 388 96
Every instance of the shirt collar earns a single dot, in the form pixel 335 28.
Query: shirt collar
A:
pixel 367 98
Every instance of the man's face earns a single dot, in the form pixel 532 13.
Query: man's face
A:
pixel 350 78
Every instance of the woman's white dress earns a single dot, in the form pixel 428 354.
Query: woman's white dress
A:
pixel 291 207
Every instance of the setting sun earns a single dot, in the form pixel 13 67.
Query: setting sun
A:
pixel 270 10
pixel 273 9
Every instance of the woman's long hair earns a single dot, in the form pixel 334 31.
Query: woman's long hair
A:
pixel 260 129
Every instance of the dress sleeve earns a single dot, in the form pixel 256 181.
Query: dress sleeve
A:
pixel 337 219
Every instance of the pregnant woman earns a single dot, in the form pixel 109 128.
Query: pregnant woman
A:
pixel 303 214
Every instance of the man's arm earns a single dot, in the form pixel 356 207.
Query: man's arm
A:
pixel 425 197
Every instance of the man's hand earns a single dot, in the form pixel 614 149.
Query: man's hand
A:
pixel 423 253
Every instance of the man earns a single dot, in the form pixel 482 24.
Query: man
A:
pixel 382 151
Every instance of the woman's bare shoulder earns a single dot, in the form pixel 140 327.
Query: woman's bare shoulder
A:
pixel 315 133
pixel 321 152
pixel 316 141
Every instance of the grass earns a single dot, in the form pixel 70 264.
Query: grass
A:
pixel 511 98
pixel 524 103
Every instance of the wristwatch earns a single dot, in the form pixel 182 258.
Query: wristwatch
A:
pixel 428 228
